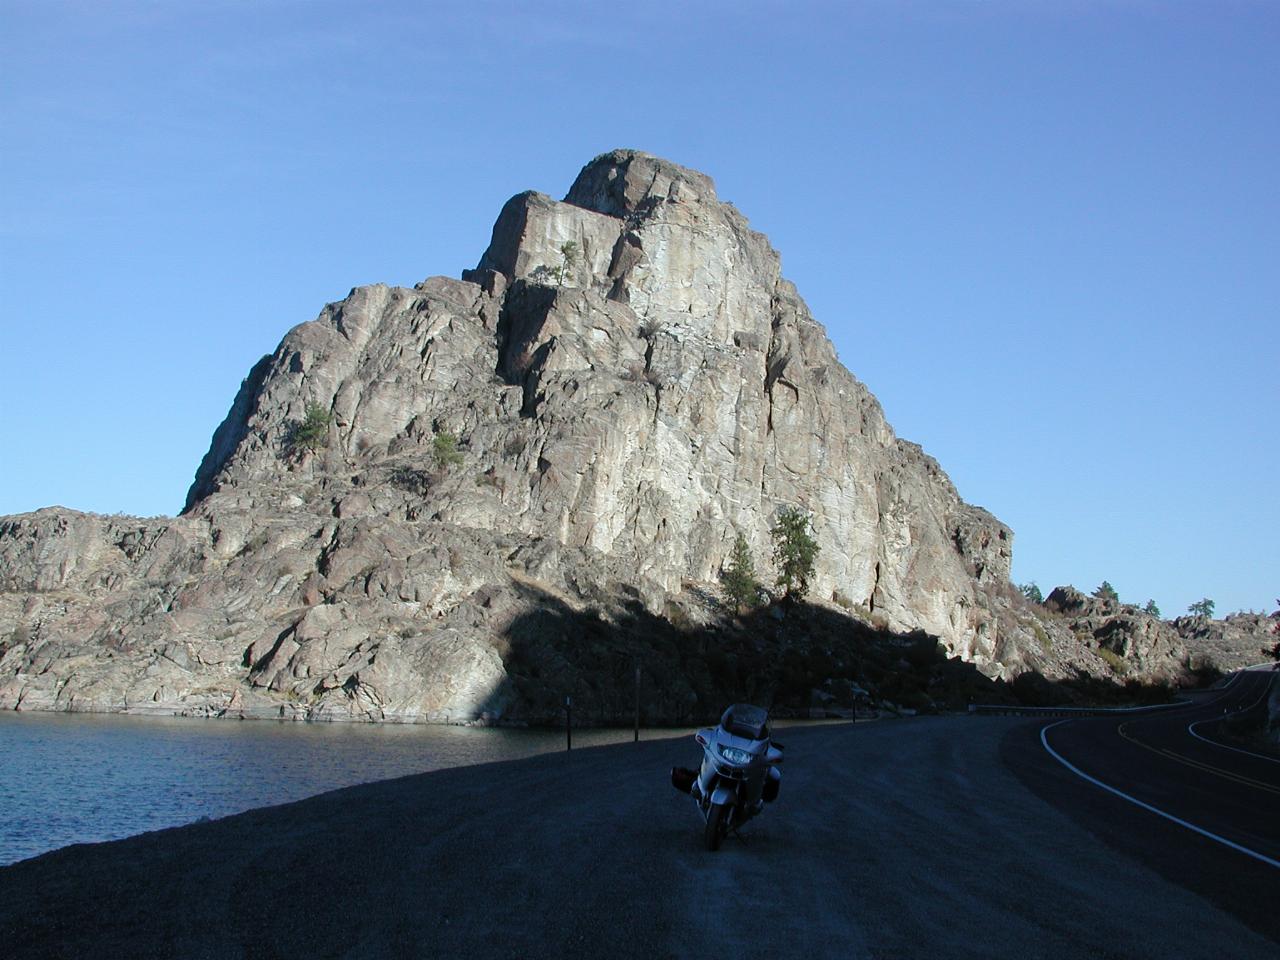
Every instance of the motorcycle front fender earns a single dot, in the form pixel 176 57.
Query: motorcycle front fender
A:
pixel 723 794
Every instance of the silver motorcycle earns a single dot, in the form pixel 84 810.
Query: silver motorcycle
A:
pixel 739 772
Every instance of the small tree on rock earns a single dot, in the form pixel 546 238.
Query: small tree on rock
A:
pixel 1152 609
pixel 568 259
pixel 1106 591
pixel 1201 608
pixel 794 551
pixel 444 447
pixel 1031 592
pixel 739 577
pixel 311 435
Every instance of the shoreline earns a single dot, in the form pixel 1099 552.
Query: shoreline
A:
pixel 885 833
pixel 787 716
pixel 70 772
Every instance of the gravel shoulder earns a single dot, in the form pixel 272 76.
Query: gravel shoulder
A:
pixel 890 840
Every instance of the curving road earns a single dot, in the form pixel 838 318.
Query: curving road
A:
pixel 1172 762
pixel 934 837
pixel 1160 785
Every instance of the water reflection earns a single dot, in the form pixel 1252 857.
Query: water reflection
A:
pixel 74 778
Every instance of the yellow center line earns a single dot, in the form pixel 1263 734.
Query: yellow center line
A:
pixel 1198 765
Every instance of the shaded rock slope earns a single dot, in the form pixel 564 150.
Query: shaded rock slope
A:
pixel 584 422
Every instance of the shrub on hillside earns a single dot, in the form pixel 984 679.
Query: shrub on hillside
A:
pixel 311 434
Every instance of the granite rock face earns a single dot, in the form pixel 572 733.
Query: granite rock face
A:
pixel 630 383
pixel 1140 646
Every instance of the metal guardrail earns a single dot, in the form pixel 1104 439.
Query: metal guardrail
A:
pixel 1016 710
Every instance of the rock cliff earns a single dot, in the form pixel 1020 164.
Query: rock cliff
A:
pixel 587 419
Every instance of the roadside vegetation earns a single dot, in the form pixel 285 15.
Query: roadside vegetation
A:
pixel 741 587
pixel 795 555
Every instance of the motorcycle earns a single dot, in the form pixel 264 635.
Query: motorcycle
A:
pixel 739 772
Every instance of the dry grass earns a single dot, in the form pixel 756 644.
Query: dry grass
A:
pixel 1046 644
pixel 1113 660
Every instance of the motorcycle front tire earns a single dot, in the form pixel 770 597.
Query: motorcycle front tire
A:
pixel 717 825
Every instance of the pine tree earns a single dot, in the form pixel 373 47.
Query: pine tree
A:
pixel 311 435
pixel 1151 608
pixel 1106 591
pixel 739 577
pixel 445 448
pixel 794 552
pixel 1031 592
pixel 1201 608
pixel 568 258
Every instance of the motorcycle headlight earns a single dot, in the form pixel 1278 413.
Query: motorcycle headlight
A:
pixel 734 755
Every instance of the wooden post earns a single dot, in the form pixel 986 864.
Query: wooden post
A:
pixel 637 737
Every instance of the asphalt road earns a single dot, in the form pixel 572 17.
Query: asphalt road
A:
pixel 1217 829
pixel 933 837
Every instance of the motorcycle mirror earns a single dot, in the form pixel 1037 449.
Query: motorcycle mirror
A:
pixel 700 738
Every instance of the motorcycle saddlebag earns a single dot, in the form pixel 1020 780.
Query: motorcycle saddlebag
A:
pixel 682 779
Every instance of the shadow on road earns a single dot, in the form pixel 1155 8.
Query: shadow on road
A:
pixel 1230 881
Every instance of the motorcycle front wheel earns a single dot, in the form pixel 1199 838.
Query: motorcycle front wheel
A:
pixel 717 825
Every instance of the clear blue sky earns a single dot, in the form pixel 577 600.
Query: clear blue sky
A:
pixel 1046 234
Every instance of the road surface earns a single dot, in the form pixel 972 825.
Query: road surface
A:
pixel 1163 786
pixel 932 837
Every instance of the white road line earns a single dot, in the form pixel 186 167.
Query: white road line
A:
pixel 1183 703
pixel 1146 806
pixel 1191 728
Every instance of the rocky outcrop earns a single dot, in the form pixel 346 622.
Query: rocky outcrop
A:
pixel 1272 729
pixel 1235 641
pixel 630 383
pixel 1139 646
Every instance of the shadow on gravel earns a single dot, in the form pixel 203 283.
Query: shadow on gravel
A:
pixel 797 659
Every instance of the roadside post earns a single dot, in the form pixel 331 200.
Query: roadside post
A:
pixel 568 723
pixel 637 737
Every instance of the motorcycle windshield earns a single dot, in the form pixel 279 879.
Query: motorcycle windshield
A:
pixel 745 720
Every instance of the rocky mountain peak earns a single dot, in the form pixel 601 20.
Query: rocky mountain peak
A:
pixel 628 183
pixel 648 234
pixel 584 423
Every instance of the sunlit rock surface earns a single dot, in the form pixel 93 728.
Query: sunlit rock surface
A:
pixel 631 382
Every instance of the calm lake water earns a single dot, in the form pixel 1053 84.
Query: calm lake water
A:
pixel 75 778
